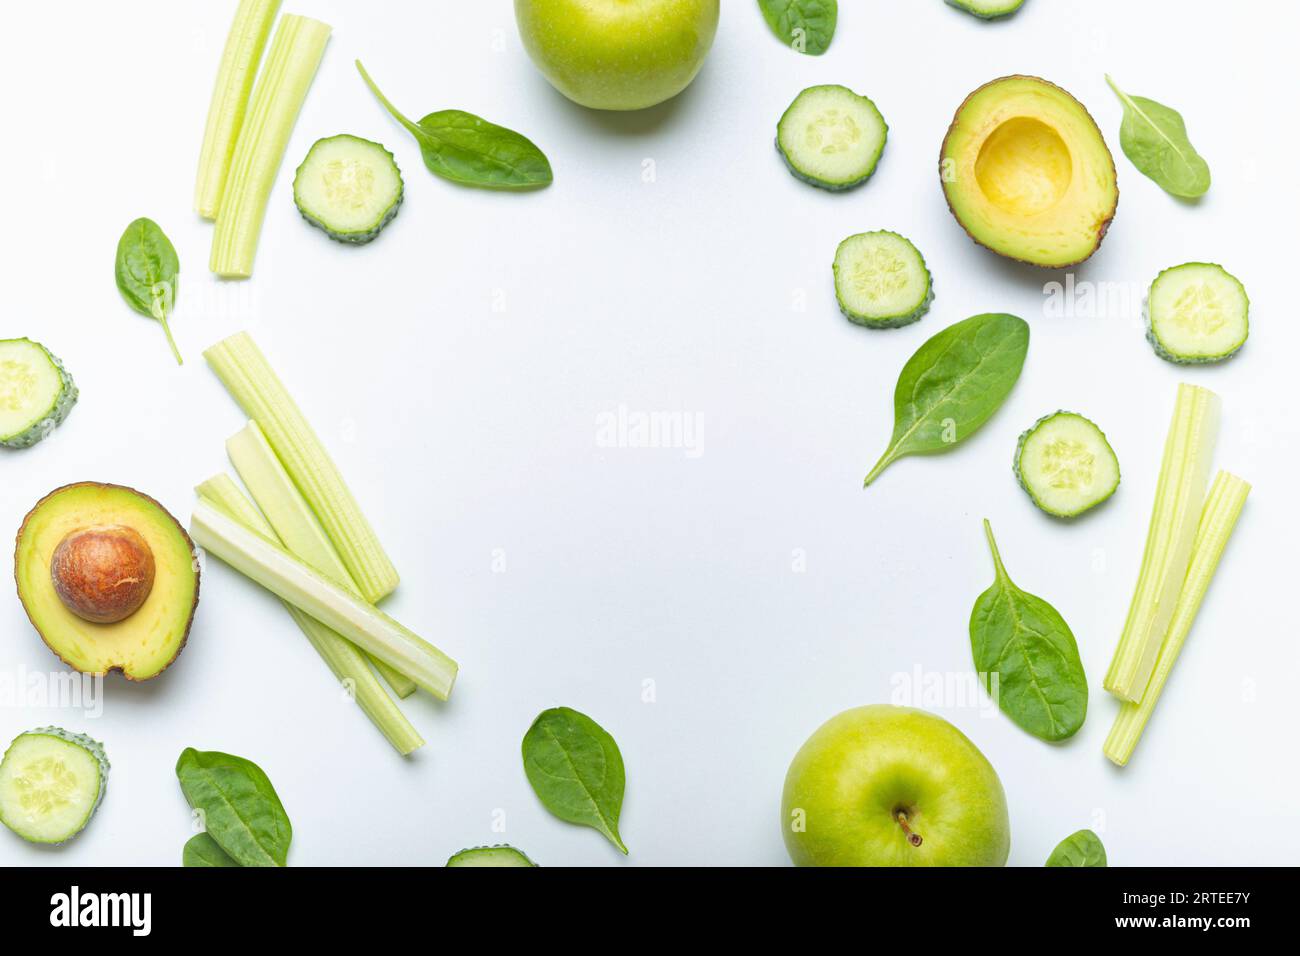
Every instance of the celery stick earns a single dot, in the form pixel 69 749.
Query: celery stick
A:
pixel 1180 493
pixel 294 523
pixel 281 89
pixel 248 377
pixel 289 579
pixel 244 46
pixel 347 663
pixel 1218 518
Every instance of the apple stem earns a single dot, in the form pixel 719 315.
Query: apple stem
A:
pixel 912 838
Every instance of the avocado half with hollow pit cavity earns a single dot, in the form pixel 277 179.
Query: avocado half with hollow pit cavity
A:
pixel 1028 174
pixel 108 579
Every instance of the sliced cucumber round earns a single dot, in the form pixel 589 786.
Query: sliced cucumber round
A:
pixel 490 856
pixel 349 187
pixel 831 137
pixel 1197 312
pixel 988 9
pixel 1066 465
pixel 36 392
pixel 881 280
pixel 51 784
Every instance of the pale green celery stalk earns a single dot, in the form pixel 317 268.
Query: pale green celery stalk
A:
pixel 249 378
pixel 346 662
pixel 1180 493
pixel 281 89
pixel 244 46
pixel 294 523
pixel 1219 517
pixel 289 579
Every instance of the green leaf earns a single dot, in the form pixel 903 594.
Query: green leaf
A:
pixel 806 25
pixel 467 149
pixel 240 808
pixel 1078 849
pixel 575 769
pixel 1026 644
pixel 1154 138
pixel 146 271
pixel 953 385
pixel 202 850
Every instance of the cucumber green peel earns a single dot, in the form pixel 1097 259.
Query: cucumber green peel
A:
pixel 988 9
pixel 1066 465
pixel 1218 519
pixel 344 660
pixel 51 783
pixel 36 393
pixel 1197 312
pixel 503 855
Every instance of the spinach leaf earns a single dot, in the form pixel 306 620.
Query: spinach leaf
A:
pixel 807 25
pixel 202 850
pixel 1154 138
pixel 146 270
pixel 241 811
pixel 953 385
pixel 575 769
pixel 1022 640
pixel 469 150
pixel 1078 849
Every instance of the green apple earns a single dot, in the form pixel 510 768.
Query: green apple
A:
pixel 618 54
pixel 893 786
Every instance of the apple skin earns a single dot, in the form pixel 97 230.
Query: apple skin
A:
pixel 861 766
pixel 618 54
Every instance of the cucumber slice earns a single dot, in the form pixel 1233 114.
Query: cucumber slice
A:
pixel 988 9
pixel 490 856
pixel 349 187
pixel 36 392
pixel 1196 313
pixel 832 138
pixel 1066 465
pixel 51 783
pixel 881 280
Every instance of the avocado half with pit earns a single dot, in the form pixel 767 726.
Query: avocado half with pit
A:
pixel 1027 173
pixel 108 578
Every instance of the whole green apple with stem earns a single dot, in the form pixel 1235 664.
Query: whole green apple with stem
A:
pixel 618 54
pixel 893 786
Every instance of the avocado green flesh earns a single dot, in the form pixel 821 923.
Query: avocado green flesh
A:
pixel 36 393
pixel 1066 465
pixel 1028 174
pixel 142 645
pixel 51 783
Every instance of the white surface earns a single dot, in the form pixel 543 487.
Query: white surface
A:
pixel 457 368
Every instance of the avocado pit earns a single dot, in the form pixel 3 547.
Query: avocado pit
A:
pixel 104 573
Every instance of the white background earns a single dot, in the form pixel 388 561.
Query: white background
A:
pixel 468 432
